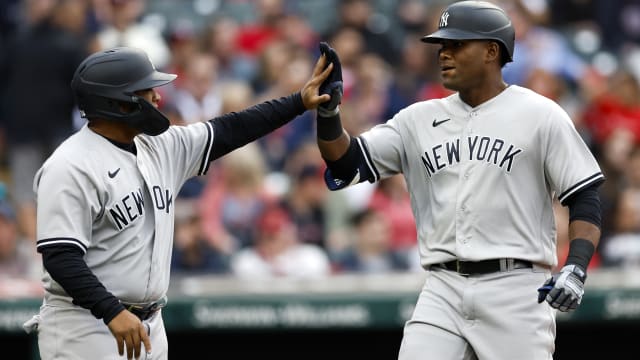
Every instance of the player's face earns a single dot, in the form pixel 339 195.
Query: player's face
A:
pixel 462 63
pixel 151 95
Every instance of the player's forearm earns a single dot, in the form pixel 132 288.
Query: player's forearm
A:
pixel 334 150
pixel 580 229
pixel 333 140
pixel 237 129
pixel 584 240
pixel 585 220
pixel 66 266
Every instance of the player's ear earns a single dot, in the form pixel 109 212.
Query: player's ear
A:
pixel 492 52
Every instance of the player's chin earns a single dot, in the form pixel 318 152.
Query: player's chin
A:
pixel 449 83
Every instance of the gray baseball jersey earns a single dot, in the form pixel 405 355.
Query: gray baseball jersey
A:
pixel 118 207
pixel 482 179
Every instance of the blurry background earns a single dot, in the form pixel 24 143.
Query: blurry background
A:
pixel 264 255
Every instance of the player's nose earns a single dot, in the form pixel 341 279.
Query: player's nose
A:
pixel 156 96
pixel 444 54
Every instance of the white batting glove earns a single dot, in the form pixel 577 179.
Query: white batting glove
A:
pixel 564 290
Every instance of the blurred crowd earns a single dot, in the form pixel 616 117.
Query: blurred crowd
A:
pixel 263 210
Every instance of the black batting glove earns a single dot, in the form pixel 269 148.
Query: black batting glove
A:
pixel 332 85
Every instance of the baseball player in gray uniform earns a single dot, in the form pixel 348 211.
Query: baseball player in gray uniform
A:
pixel 105 205
pixel 482 167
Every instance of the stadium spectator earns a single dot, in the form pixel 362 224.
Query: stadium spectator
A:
pixel 277 252
pixel 538 46
pixel 233 198
pixel 304 203
pixel 20 264
pixel 618 107
pixel 370 250
pixel 198 98
pixel 183 42
pixel 122 26
pixel 220 39
pixel 192 252
pixel 613 156
pixel 39 61
pixel 358 15
pixel 391 198
pixel 622 248
pixel 283 64
pixel 254 36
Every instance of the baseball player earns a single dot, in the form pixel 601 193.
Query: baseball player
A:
pixel 105 205
pixel 482 167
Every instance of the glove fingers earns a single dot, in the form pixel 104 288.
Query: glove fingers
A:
pixel 332 85
pixel 324 47
pixel 564 290
pixel 564 302
pixel 337 67
pixel 555 298
pixel 332 57
pixel 328 51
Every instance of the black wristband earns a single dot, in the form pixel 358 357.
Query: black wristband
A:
pixel 109 308
pixel 580 253
pixel 329 128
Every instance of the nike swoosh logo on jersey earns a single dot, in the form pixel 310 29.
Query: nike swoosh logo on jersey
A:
pixel 438 122
pixel 113 174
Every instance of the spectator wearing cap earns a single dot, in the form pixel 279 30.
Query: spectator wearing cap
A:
pixel 277 252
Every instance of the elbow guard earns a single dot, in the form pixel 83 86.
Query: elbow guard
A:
pixel 351 168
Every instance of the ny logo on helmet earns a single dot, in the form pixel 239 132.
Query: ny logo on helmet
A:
pixel 443 19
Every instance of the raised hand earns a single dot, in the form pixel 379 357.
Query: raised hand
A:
pixel 311 96
pixel 333 84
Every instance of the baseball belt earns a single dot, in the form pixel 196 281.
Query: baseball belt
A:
pixel 145 311
pixel 467 268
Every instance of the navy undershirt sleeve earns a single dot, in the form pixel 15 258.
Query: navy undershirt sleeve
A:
pixel 585 205
pixel 236 129
pixel 67 267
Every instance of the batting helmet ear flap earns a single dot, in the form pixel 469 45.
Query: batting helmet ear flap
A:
pixel 148 119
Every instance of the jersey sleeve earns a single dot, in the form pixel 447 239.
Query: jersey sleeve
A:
pixel 67 203
pixel 188 149
pixel 385 148
pixel 373 155
pixel 569 164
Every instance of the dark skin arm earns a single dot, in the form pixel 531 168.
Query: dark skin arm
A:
pixel 584 230
pixel 130 332
pixel 333 150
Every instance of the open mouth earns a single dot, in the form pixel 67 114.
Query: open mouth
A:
pixel 446 68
